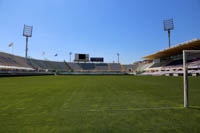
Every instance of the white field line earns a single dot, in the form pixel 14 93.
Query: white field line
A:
pixel 134 109
pixel 71 97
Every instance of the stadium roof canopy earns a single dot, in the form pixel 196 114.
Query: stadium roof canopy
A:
pixel 189 45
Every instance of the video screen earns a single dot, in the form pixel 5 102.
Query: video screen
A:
pixel 82 56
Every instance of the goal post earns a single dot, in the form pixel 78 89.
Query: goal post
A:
pixel 185 80
pixel 185 74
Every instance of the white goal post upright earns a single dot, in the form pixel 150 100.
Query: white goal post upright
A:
pixel 185 75
pixel 185 80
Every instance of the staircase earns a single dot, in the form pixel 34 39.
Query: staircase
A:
pixel 69 68
pixel 109 68
pixel 122 68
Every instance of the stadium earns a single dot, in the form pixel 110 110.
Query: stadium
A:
pixel 167 62
pixel 101 98
pixel 146 89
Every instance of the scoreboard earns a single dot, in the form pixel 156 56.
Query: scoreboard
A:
pixel 81 57
pixel 97 59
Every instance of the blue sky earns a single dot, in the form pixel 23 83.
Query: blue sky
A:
pixel 134 28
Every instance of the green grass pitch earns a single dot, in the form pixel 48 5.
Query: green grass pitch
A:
pixel 98 104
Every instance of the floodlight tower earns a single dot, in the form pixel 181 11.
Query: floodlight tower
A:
pixel 168 26
pixel 27 32
pixel 70 55
pixel 118 57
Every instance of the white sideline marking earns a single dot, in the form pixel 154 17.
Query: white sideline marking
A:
pixel 134 109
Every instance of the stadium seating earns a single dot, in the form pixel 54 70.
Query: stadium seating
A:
pixel 116 67
pixel 39 64
pixel 101 67
pixel 60 66
pixel 48 65
pixel 175 62
pixel 75 66
pixel 130 67
pixel 87 66
pixel 11 60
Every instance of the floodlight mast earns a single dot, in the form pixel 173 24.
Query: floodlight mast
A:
pixel 169 38
pixel 27 32
pixel 118 57
pixel 70 55
pixel 168 26
pixel 26 47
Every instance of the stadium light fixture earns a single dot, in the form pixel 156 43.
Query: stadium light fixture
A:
pixel 27 32
pixel 118 57
pixel 70 55
pixel 168 26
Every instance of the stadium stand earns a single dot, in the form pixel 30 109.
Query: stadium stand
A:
pixel 12 60
pixel 39 64
pixel 59 66
pixel 101 67
pixel 75 67
pixel 170 61
pixel 68 66
pixel 16 65
pixel 130 67
pixel 87 66
pixel 109 69
pixel 48 65
pixel 142 67
pixel 122 68
pixel 115 67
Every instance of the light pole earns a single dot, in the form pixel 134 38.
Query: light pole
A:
pixel 168 26
pixel 70 55
pixel 43 54
pixel 27 32
pixel 118 57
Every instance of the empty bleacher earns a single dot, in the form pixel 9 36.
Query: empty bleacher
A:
pixel 175 62
pixel 87 66
pixel 115 67
pixel 11 60
pixel 48 65
pixel 75 66
pixel 101 67
pixel 40 64
pixel 8 61
pixel 130 67
pixel 60 66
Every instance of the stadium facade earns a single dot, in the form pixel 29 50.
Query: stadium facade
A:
pixel 170 61
pixel 165 62
pixel 11 64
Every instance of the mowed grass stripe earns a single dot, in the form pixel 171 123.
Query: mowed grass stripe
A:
pixel 57 104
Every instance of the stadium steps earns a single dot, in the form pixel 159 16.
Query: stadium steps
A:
pixel 109 69
pixel 51 65
pixel 143 67
pixel 122 68
pixel 33 63
pixel 95 67
pixel 133 67
pixel 139 67
pixel 68 66
pixel 59 66
pixel 75 66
